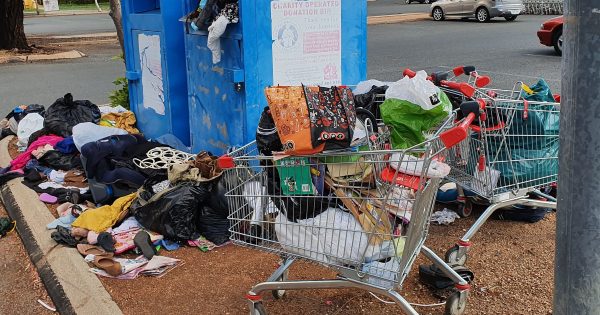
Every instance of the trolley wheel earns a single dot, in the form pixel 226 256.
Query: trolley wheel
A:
pixel 452 258
pixel 279 294
pixel 259 309
pixel 464 209
pixel 454 305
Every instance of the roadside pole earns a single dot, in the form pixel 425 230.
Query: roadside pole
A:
pixel 577 260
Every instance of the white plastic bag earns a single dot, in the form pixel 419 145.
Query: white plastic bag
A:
pixel 89 132
pixel 414 166
pixel 333 236
pixel 417 90
pixel 27 126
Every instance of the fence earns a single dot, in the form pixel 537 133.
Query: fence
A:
pixel 543 7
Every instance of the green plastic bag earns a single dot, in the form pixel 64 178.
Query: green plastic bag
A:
pixel 409 121
pixel 541 92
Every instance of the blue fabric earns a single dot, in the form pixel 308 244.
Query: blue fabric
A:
pixel 166 244
pixel 64 221
pixel 35 164
pixel 67 146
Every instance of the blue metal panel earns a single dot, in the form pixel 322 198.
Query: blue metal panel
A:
pixel 150 17
pixel 216 106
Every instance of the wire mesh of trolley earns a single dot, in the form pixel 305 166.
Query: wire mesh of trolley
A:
pixel 364 213
pixel 510 154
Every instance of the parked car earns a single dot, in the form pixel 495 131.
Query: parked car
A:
pixel 420 1
pixel 551 33
pixel 482 10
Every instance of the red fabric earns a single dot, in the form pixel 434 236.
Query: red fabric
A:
pixel 21 160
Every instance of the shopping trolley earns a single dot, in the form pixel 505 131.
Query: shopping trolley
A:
pixel 511 154
pixel 351 211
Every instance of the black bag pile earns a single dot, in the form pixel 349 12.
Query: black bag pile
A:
pixel 184 211
pixel 65 113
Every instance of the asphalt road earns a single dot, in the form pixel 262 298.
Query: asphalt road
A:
pixel 386 7
pixel 507 51
pixel 69 25
pixel 99 23
pixel 42 83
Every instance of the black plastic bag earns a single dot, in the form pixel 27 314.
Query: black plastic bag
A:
pixel 59 161
pixel 212 222
pixel 368 100
pixel 65 113
pixel 176 213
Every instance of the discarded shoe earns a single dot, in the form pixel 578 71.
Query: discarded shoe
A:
pixel 106 241
pixel 143 242
pixel 62 235
pixel 86 249
pixel 109 265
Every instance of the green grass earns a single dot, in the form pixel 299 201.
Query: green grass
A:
pixel 70 7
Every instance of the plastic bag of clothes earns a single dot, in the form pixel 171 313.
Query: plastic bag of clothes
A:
pixel 65 113
pixel 213 223
pixel 28 125
pixel 409 121
pixel 174 213
pixel 540 92
pixel 532 141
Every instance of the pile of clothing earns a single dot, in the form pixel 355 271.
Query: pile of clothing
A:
pixel 115 190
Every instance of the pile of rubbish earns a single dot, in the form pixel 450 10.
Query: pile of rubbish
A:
pixel 116 191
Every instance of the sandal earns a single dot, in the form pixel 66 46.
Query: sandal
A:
pixel 109 265
pixel 62 235
pixel 86 249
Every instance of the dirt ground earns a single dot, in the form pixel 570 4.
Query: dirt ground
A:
pixel 20 285
pixel 48 46
pixel 512 262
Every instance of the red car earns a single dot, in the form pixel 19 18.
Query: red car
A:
pixel 551 33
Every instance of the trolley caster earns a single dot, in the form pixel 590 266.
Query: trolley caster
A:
pixel 279 294
pixel 456 255
pixel 258 309
pixel 464 209
pixel 456 304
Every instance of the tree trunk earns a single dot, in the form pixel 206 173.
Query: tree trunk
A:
pixel 12 32
pixel 115 14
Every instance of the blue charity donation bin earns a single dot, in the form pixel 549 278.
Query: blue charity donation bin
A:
pixel 155 66
pixel 311 42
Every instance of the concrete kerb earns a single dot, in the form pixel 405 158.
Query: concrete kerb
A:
pixel 72 54
pixel 64 13
pixel 73 289
pixel 397 18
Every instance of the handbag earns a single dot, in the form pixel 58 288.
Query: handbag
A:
pixel 291 117
pixel 332 116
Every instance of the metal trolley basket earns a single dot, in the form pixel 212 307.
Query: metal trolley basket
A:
pixel 511 154
pixel 344 210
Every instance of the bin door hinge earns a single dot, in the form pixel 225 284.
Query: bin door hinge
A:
pixel 133 75
pixel 237 75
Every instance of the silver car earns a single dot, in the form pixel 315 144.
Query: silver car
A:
pixel 482 10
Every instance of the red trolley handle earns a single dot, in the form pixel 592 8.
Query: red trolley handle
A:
pixel 457 133
pixel 462 87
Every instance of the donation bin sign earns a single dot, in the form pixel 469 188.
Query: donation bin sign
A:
pixel 307 42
